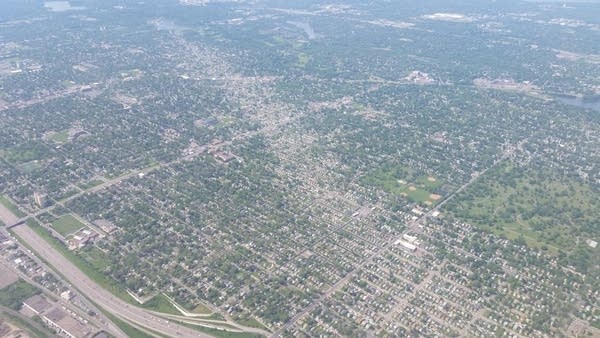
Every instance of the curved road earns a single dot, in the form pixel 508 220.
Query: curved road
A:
pixel 99 295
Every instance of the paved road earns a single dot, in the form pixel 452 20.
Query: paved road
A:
pixel 100 320
pixel 99 295
pixel 412 226
pixel 106 184
pixel 7 216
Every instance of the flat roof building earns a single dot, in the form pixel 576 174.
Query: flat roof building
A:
pixel 65 324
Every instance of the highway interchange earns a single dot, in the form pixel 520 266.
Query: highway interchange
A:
pixel 103 298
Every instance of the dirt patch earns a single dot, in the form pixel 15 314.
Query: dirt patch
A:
pixel 435 197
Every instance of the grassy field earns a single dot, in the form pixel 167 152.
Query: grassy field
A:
pixel 251 322
pixel 278 40
pixel 160 303
pixel 221 333
pixel 429 182
pixel 31 166
pixel 401 181
pixel 303 60
pixel 10 206
pixel 25 153
pixel 545 209
pixel 201 309
pixel 417 195
pixel 390 178
pixel 67 224
pixel 95 257
pixel 60 137
pixel 227 334
pixel 13 295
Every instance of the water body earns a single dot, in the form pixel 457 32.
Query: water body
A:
pixel 61 6
pixel 581 102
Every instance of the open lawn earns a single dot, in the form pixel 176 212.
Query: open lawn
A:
pixel 60 137
pixel 201 309
pixel 10 206
pixel 95 257
pixel 399 181
pixel 429 182
pixel 547 210
pixel 303 60
pixel 222 333
pixel 13 295
pixel 417 195
pixel 390 178
pixel 160 303
pixel 25 153
pixel 286 43
pixel 251 322
pixel 31 166
pixel 67 224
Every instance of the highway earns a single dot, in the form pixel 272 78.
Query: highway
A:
pixel 6 216
pixel 100 321
pixel 97 294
